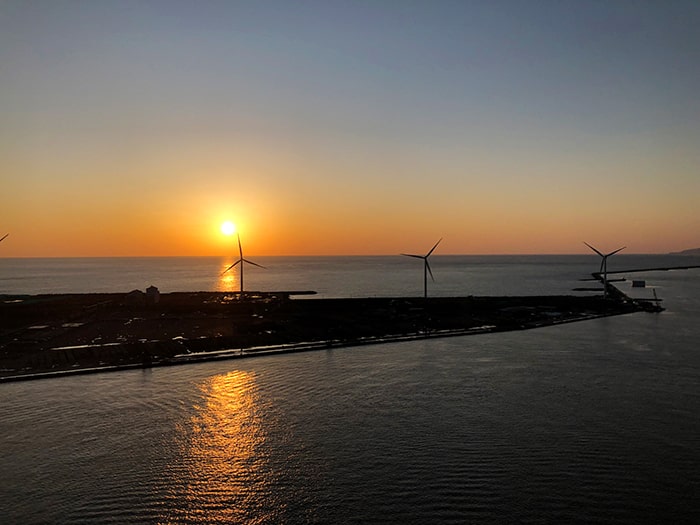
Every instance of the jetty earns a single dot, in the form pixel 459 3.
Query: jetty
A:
pixel 658 269
pixel 647 304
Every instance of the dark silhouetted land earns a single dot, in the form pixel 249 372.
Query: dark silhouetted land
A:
pixel 48 334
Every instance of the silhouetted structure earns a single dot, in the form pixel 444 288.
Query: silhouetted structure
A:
pixel 604 266
pixel 240 261
pixel 152 295
pixel 426 267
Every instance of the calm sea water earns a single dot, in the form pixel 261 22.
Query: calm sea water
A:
pixel 330 276
pixel 591 422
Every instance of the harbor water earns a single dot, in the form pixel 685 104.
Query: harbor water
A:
pixel 589 422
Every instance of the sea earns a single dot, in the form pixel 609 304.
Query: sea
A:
pixel 589 422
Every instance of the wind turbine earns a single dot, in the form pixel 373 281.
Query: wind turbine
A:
pixel 241 261
pixel 426 267
pixel 604 265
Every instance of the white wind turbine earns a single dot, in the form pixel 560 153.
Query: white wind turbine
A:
pixel 426 267
pixel 604 266
pixel 241 261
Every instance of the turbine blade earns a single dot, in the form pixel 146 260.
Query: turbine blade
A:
pixel 618 250
pixel 592 248
pixel 240 250
pixel 3 237
pixel 232 266
pixel 433 248
pixel 254 264
pixel 411 255
pixel 427 266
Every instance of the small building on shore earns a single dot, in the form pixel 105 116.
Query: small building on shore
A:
pixel 152 295
pixel 135 298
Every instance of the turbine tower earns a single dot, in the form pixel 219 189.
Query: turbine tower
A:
pixel 241 261
pixel 426 267
pixel 604 266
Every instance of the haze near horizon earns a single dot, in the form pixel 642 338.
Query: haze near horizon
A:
pixel 348 128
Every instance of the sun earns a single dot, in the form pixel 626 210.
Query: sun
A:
pixel 228 228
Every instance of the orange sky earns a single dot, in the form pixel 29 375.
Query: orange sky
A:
pixel 125 133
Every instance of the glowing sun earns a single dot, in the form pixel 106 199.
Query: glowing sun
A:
pixel 228 228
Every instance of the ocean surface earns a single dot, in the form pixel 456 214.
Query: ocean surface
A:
pixel 589 422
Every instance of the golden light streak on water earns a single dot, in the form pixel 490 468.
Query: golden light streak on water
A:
pixel 229 281
pixel 223 465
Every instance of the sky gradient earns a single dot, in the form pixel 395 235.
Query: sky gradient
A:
pixel 359 127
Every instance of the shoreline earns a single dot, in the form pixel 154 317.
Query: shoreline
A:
pixel 44 336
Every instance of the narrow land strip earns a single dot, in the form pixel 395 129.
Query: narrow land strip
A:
pixel 50 335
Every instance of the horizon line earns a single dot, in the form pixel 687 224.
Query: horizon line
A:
pixel 531 254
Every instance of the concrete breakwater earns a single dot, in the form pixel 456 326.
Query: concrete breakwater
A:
pixel 46 335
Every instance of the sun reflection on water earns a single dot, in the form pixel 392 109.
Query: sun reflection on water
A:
pixel 229 281
pixel 224 475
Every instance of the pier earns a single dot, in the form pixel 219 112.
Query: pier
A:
pixel 647 304
pixel 661 269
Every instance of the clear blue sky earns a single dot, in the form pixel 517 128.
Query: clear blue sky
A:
pixel 135 128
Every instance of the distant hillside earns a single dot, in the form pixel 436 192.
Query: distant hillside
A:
pixel 693 251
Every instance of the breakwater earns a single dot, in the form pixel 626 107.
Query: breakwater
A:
pixel 46 335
